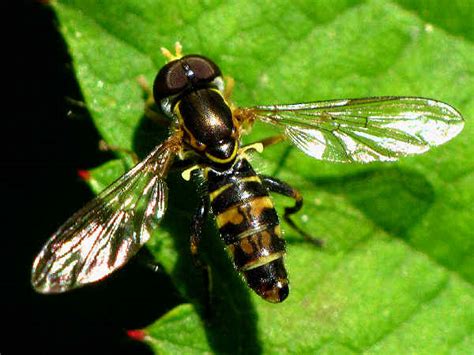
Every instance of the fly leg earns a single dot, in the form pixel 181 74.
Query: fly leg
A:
pixel 199 219
pixel 151 110
pixel 198 222
pixel 229 84
pixel 282 188
pixel 261 144
pixel 146 259
pixel 105 147
pixel 272 140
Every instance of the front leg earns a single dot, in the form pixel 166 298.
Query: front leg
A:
pixel 197 225
pixel 282 188
pixel 199 219
pixel 151 108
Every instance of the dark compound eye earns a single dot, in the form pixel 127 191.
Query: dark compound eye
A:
pixel 178 75
pixel 170 80
pixel 203 68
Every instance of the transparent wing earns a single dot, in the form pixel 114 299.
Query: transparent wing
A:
pixel 107 231
pixel 362 130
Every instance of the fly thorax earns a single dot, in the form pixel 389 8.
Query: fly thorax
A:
pixel 223 154
pixel 207 121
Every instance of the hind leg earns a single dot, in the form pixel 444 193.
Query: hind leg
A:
pixel 282 188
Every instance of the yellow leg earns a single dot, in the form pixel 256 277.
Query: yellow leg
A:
pixel 272 140
pixel 228 87
pixel 178 49
pixel 260 145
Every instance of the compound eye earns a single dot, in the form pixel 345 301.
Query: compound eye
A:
pixel 169 81
pixel 204 69
pixel 176 76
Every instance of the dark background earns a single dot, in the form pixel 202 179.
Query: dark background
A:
pixel 47 139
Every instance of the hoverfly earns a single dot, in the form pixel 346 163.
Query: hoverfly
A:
pixel 205 136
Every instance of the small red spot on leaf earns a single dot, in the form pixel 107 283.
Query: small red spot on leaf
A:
pixel 136 334
pixel 84 174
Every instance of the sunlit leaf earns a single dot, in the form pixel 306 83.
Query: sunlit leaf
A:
pixel 397 270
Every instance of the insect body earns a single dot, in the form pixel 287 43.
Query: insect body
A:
pixel 205 136
pixel 249 226
pixel 247 221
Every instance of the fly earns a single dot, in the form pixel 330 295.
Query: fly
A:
pixel 205 137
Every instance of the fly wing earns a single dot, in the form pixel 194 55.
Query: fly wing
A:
pixel 108 231
pixel 363 130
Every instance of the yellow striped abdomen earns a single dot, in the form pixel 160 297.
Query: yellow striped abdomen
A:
pixel 250 228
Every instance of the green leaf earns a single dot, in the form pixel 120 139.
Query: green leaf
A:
pixel 178 331
pixel 396 274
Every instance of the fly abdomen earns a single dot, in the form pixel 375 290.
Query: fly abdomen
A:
pixel 250 228
pixel 259 257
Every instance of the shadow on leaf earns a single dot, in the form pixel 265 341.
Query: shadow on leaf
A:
pixel 394 199
pixel 231 328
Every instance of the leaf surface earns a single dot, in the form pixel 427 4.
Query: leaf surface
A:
pixel 397 270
